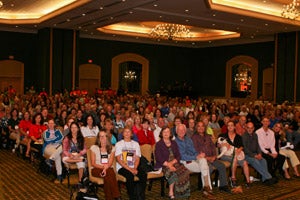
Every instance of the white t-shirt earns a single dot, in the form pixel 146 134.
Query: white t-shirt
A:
pixel 128 150
pixel 103 157
pixel 87 132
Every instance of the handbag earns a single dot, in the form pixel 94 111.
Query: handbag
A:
pixel 145 165
pixel 97 172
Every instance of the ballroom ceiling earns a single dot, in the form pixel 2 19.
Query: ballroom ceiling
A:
pixel 246 21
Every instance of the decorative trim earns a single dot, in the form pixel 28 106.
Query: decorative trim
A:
pixel 296 67
pixel 50 61
pixel 275 68
pixel 117 60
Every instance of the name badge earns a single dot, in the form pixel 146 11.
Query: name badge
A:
pixel 104 159
pixel 129 156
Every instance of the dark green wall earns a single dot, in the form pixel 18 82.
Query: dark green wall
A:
pixel 202 68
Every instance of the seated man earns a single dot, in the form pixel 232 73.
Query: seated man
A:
pixel 253 154
pixel 204 144
pixel 266 141
pixel 193 161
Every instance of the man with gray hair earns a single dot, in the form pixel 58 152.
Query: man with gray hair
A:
pixel 193 161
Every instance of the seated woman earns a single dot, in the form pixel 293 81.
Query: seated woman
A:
pixel 52 147
pixel 128 155
pixel 283 149
pixel 13 127
pixel 24 126
pixel 35 133
pixel 89 128
pixel 235 159
pixel 102 158
pixel 109 127
pixel 167 157
pixel 145 135
pixel 74 149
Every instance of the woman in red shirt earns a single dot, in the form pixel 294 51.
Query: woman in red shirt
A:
pixel 24 126
pixel 35 133
pixel 145 135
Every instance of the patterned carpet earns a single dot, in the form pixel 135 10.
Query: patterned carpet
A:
pixel 21 181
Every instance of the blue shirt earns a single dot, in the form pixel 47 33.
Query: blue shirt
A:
pixel 186 149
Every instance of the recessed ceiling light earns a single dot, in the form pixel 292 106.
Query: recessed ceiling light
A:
pixel 111 17
pixel 101 8
pixel 12 5
pixel 79 27
pixel 266 24
pixel 209 41
pixel 137 38
pixel 83 14
pixel 187 20
pixel 123 0
pixel 54 24
pixel 252 36
pixel 94 23
pixel 186 10
pixel 92 33
pixel 130 12
pixel 213 24
pixel 160 16
pixel 114 35
pixel 237 28
pixel 16 26
pixel 68 20
pixel 35 25
pixel 193 43
pixel 242 20
pixel 155 5
pixel 214 15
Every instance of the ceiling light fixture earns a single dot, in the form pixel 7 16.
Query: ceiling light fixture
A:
pixel 170 31
pixel 290 11
pixel 1 4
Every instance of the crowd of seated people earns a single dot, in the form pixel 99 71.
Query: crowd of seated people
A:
pixel 183 130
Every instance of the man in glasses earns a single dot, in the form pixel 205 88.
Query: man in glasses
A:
pixel 253 154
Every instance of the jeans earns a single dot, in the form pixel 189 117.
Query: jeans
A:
pixel 222 171
pixel 260 166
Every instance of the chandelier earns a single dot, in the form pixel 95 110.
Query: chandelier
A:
pixel 130 75
pixel 243 75
pixel 170 31
pixel 290 11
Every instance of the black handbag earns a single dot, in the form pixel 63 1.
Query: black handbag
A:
pixel 145 165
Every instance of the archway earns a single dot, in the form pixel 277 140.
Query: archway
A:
pixel 117 60
pixel 249 67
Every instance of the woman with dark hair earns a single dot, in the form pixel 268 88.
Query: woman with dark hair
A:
pixel 13 127
pixel 167 157
pixel 102 158
pixel 35 133
pixel 74 149
pixel 102 118
pixel 89 128
pixel 62 120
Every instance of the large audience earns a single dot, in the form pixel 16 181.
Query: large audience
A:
pixel 185 133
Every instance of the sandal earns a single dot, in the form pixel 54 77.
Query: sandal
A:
pixel 171 197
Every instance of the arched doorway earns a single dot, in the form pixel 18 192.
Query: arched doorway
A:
pixel 89 77
pixel 241 77
pixel 130 57
pixel 130 74
pixel 12 74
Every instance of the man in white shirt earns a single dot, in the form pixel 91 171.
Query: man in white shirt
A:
pixel 266 141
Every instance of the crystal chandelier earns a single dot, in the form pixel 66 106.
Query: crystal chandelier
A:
pixel 290 11
pixel 170 31
pixel 130 75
